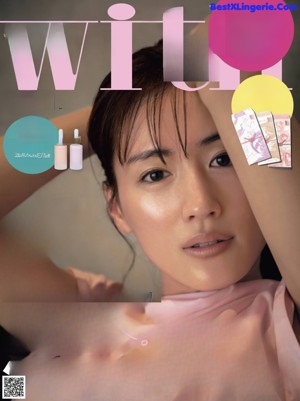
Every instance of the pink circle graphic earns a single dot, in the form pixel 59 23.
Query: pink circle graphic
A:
pixel 251 41
pixel 121 11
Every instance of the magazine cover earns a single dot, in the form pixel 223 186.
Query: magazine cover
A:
pixel 149 171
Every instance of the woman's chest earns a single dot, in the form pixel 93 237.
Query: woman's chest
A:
pixel 177 360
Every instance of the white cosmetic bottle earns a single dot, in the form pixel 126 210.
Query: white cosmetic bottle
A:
pixel 60 153
pixel 76 152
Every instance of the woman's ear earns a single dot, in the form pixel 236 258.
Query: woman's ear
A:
pixel 115 211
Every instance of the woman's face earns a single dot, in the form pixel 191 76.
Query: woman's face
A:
pixel 190 215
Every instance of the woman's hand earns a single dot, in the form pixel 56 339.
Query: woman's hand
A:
pixel 27 275
pixel 95 287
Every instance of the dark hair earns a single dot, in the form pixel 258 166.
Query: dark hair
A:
pixel 268 266
pixel 114 114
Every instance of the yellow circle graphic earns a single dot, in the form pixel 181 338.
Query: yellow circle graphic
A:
pixel 263 93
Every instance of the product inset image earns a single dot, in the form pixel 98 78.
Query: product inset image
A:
pixel 60 153
pixel 250 136
pixel 76 152
pixel 266 122
pixel 28 144
pixel 283 131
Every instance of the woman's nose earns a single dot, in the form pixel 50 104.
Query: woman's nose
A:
pixel 200 198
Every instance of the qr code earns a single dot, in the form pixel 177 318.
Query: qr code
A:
pixel 13 387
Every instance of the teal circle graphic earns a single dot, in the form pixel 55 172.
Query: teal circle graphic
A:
pixel 29 144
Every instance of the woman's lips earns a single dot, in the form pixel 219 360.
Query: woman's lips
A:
pixel 207 245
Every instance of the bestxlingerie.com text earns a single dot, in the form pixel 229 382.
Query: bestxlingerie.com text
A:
pixel 252 7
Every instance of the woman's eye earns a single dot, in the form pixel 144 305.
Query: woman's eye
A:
pixel 155 176
pixel 221 161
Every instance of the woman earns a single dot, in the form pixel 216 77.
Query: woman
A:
pixel 176 178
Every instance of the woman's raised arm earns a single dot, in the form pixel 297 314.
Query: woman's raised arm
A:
pixel 273 194
pixel 27 274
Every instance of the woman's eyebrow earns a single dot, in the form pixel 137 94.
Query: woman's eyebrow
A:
pixel 209 139
pixel 146 154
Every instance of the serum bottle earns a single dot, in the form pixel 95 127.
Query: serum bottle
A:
pixel 60 153
pixel 76 152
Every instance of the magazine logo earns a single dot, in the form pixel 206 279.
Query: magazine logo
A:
pixel 219 68
pixel 59 57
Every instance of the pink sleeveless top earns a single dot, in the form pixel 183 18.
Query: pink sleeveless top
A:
pixel 238 343
pixel 233 344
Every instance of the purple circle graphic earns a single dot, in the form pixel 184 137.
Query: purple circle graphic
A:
pixel 251 40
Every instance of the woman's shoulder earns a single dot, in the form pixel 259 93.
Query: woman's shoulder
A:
pixel 273 302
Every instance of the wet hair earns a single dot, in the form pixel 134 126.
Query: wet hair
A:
pixel 268 266
pixel 114 114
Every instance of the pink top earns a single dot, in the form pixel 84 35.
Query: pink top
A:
pixel 233 344
pixel 238 343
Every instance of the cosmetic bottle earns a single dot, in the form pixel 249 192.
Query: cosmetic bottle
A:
pixel 76 152
pixel 60 153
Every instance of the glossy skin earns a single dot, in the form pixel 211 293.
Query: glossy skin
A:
pixel 189 200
